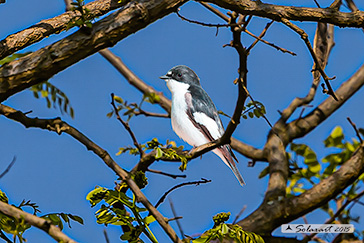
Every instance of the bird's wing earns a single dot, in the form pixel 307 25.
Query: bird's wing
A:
pixel 204 116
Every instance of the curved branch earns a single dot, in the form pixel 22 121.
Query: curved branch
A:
pixel 301 126
pixel 277 12
pixel 59 126
pixel 41 65
pixel 45 28
pixel 40 223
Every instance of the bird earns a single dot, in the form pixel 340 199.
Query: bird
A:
pixel 194 116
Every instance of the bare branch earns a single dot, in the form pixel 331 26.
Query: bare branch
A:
pixel 40 223
pixel 323 44
pixel 134 80
pixel 276 12
pixel 127 127
pixel 8 168
pixel 259 38
pixel 166 174
pixel 177 218
pixel 59 126
pixel 197 183
pixel 355 129
pixel 318 66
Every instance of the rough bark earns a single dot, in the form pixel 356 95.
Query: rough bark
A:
pixel 41 65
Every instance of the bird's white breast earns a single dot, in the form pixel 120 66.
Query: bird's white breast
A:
pixel 181 123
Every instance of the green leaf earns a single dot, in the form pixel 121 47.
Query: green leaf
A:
pixel 13 57
pixel 95 196
pixel 3 197
pixel 335 138
pixel 264 172
pixel 159 153
pixel 149 219
pixel 76 218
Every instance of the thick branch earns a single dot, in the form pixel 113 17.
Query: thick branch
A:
pixel 40 223
pixel 41 65
pixel 276 12
pixel 59 126
pixel 45 28
pixel 271 214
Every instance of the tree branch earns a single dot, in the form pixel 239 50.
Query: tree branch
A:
pixel 272 214
pixel 40 223
pixel 45 28
pixel 303 125
pixel 317 65
pixel 276 12
pixel 41 65
pixel 8 168
pixel 323 44
pixel 59 126
pixel 197 183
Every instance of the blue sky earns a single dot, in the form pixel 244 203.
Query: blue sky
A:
pixel 57 172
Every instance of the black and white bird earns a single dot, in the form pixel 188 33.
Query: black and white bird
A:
pixel 194 115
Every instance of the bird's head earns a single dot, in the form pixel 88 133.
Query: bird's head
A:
pixel 182 74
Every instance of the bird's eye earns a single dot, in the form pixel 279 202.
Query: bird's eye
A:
pixel 179 75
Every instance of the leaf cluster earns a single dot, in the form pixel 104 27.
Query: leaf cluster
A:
pixel 86 18
pixel 306 170
pixel 54 97
pixel 17 227
pixel 222 231
pixel 168 151
pixel 114 211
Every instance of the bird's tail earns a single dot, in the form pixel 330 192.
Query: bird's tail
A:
pixel 226 155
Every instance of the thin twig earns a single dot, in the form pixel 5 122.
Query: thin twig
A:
pixel 355 129
pixel 3 236
pixel 152 114
pixel 224 17
pixel 202 23
pixel 317 4
pixel 202 181
pixel 8 168
pixel 239 214
pixel 106 236
pixel 259 38
pixel 127 127
pixel 177 219
pixel 304 37
pixel 166 174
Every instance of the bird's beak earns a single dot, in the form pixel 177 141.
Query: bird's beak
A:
pixel 164 77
